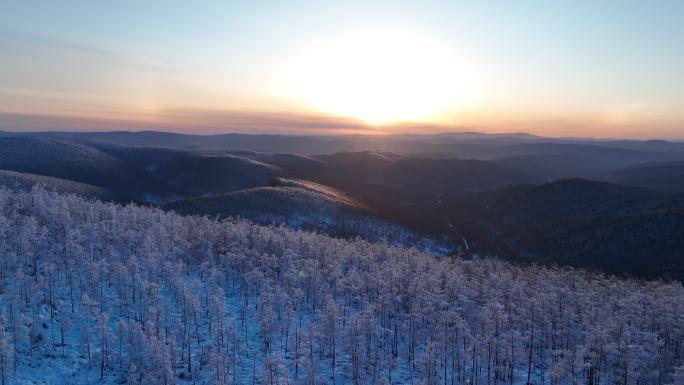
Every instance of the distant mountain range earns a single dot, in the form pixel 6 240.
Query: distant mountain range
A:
pixel 614 206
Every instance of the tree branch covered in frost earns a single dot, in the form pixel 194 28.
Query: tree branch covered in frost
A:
pixel 94 291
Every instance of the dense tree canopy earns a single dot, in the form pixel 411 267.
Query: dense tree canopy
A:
pixel 125 294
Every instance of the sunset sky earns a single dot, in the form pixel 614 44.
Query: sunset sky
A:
pixel 557 68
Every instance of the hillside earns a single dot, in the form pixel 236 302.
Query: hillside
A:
pixel 285 199
pixel 561 166
pixel 464 145
pixel 25 182
pixel 301 204
pixel 663 176
pixel 102 293
pixel 596 225
pixel 200 173
pixel 504 206
pixel 401 186
pixel 80 163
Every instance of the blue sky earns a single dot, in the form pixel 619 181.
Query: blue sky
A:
pixel 599 68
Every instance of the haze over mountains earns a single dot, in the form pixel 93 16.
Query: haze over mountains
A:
pixel 610 205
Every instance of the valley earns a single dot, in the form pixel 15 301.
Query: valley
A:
pixel 610 206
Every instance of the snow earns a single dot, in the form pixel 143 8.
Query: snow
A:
pixel 150 287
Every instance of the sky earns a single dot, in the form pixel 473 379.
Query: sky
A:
pixel 558 68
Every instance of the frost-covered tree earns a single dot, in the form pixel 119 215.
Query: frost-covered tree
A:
pixel 137 295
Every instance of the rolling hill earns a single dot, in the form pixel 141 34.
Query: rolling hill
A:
pixel 392 175
pixel 502 206
pixel 664 176
pixel 25 182
pixel 306 205
pixel 286 201
pixel 594 225
pixel 464 145
pixel 80 163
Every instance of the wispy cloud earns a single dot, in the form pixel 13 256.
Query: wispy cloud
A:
pixel 42 74
pixel 17 43
pixel 198 122
pixel 212 122
pixel 270 122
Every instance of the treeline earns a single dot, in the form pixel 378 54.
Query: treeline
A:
pixel 126 294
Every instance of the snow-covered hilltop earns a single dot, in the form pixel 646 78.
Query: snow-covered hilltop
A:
pixel 97 292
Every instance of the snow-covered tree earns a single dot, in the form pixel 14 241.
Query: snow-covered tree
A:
pixel 136 294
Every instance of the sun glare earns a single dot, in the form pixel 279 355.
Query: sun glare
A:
pixel 377 76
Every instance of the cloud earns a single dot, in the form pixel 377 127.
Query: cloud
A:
pixel 270 122
pixel 17 43
pixel 46 74
pixel 213 122
pixel 197 122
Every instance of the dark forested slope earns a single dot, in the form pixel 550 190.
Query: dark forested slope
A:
pixel 593 225
pixel 310 206
pixel 80 163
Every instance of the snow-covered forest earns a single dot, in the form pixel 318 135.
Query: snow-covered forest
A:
pixel 97 292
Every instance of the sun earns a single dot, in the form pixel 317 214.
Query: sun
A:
pixel 378 76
